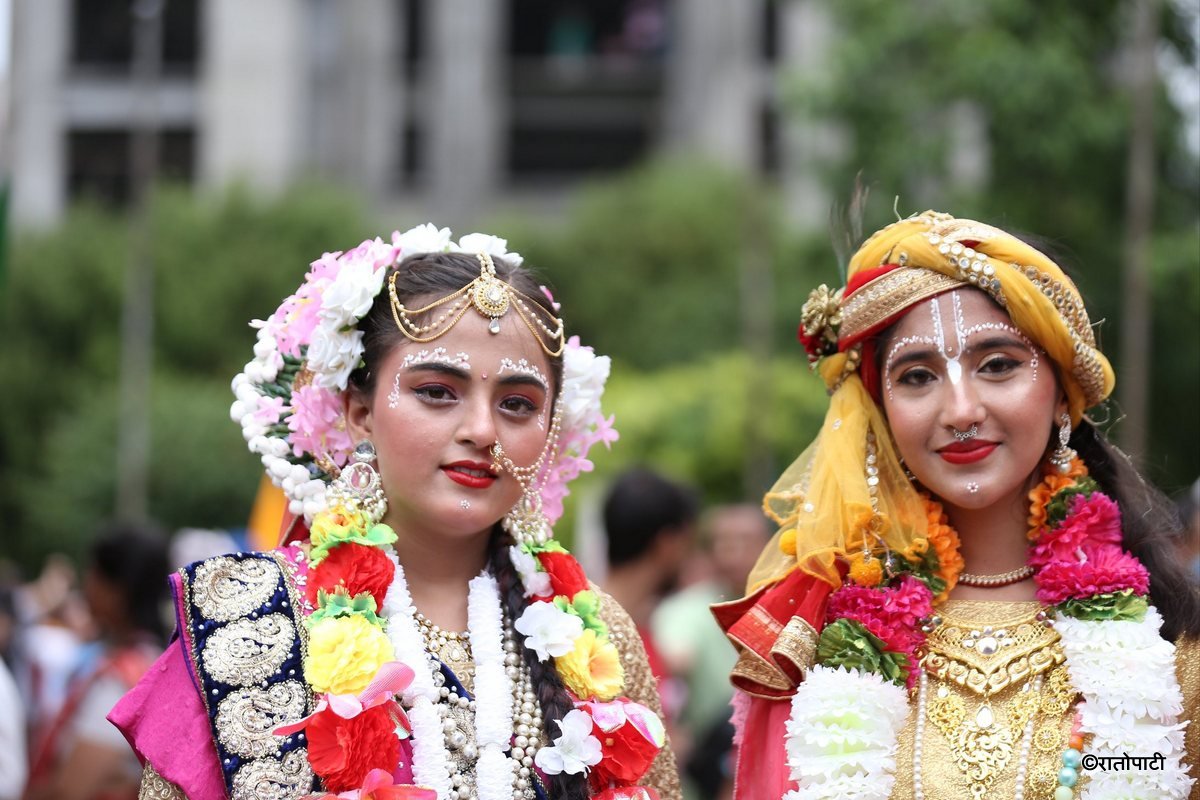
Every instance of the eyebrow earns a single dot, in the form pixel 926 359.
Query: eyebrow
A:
pixel 522 379
pixel 439 367
pixel 991 342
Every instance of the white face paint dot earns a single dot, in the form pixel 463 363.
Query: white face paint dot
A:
pixel 464 504
pixel 973 487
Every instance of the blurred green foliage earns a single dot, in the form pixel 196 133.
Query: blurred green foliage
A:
pixel 219 262
pixel 649 266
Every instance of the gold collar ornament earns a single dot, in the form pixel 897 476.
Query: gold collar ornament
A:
pixel 491 297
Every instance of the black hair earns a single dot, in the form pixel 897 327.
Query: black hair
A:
pixel 133 558
pixel 1150 527
pixel 640 506
pixel 423 278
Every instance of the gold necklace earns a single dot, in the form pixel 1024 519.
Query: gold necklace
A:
pixel 450 647
pixel 986 737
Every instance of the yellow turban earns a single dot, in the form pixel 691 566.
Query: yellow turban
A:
pixel 847 492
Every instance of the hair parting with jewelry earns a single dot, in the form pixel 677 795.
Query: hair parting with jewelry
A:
pixel 425 278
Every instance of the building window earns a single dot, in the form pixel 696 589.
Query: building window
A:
pixel 102 36
pixel 98 163
pixel 585 84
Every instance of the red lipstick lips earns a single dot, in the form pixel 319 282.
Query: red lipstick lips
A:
pixel 967 452
pixel 472 474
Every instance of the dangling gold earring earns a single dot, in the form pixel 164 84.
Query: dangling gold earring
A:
pixel 1062 456
pixel 526 523
pixel 358 487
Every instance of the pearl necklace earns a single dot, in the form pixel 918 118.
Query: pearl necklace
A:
pixel 1000 579
pixel 469 749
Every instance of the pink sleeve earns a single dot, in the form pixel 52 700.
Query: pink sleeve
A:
pixel 762 770
pixel 166 723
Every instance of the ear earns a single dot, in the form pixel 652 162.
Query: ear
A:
pixel 356 407
pixel 1061 407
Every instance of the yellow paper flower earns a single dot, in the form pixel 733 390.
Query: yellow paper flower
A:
pixel 336 524
pixel 344 653
pixel 865 571
pixel 787 542
pixel 592 669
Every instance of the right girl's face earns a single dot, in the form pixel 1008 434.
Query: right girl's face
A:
pixel 438 408
pixel 970 400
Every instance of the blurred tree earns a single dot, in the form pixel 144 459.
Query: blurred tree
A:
pixel 219 262
pixel 1000 110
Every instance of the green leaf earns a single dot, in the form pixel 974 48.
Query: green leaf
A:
pixel 1113 606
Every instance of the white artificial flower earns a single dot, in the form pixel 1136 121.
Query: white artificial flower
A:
pixel 333 356
pixel 536 582
pixel 584 375
pixel 841 734
pixel 426 238
pixel 574 751
pixel 548 630
pixel 492 245
pixel 349 297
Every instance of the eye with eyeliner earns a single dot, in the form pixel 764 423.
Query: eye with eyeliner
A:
pixel 435 393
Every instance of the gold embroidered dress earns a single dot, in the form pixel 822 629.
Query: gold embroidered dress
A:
pixel 998 705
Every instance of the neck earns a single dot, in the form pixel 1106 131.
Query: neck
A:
pixel 993 540
pixel 635 588
pixel 438 572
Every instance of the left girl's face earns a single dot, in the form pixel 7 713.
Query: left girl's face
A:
pixel 438 408
pixel 971 401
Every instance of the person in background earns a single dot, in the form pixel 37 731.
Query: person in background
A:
pixel 13 767
pixel 697 653
pixel 81 756
pixel 650 525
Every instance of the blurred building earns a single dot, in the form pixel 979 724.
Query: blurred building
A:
pixel 449 106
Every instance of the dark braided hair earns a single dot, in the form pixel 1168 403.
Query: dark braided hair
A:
pixel 551 693
pixel 423 278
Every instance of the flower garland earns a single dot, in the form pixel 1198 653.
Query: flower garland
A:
pixel 847 715
pixel 608 736
pixel 288 396
pixel 365 648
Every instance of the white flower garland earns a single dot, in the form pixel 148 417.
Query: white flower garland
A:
pixel 1125 672
pixel 844 726
pixel 493 689
pixel 842 734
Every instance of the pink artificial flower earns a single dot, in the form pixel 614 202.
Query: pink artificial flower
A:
pixel 891 614
pixel 313 423
pixel 270 409
pixel 1094 520
pixel 380 785
pixel 1101 570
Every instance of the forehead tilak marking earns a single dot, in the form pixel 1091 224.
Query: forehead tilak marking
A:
pixel 962 334
pixel 522 367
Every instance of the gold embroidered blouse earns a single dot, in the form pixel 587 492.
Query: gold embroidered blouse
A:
pixel 997 704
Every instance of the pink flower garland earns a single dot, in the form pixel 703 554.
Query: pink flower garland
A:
pixel 1082 556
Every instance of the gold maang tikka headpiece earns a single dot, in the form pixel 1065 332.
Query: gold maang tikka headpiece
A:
pixel 491 297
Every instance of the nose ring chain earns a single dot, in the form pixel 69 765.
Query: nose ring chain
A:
pixel 969 433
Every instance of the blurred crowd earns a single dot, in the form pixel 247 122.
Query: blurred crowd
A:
pixel 72 641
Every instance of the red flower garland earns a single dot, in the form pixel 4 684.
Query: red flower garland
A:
pixel 357 567
pixel 343 751
pixel 566 576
